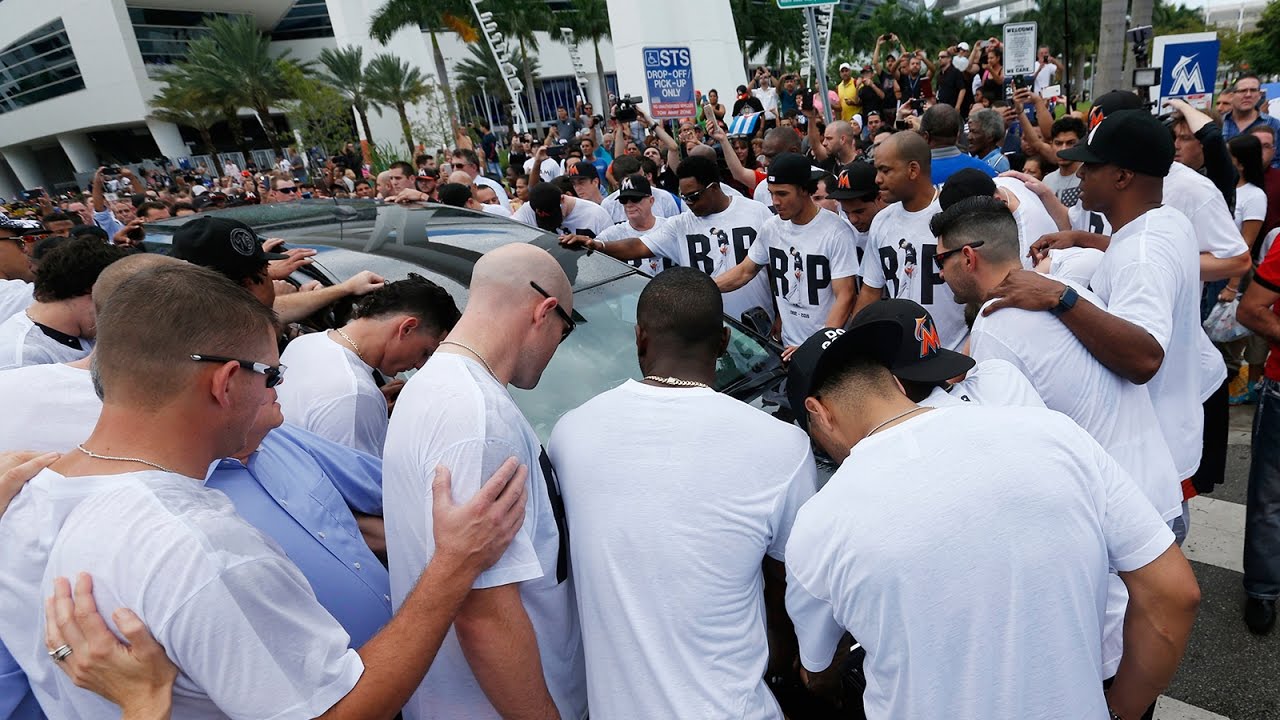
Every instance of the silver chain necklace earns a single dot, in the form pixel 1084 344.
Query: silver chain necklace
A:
pixel 473 352
pixel 899 416
pixel 97 456
pixel 351 342
pixel 677 382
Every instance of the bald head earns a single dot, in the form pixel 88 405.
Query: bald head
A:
pixel 840 128
pixel 705 151
pixel 461 177
pixel 908 147
pixel 780 140
pixel 501 277
pixel 123 270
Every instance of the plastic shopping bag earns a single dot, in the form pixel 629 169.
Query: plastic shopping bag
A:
pixel 1221 325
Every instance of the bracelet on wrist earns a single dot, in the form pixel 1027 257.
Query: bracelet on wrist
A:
pixel 1234 290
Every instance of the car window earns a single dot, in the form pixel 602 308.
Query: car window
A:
pixel 601 354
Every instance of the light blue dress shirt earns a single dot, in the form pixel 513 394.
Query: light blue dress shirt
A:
pixel 106 220
pixel 299 489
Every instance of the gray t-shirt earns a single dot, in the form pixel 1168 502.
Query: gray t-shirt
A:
pixel 1066 187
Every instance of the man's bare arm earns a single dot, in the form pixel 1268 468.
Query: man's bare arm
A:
pixel 624 249
pixel 866 296
pixel 1163 601
pixel 498 640
pixel 292 308
pixel 845 297
pixel 1255 311
pixel 740 275
pixel 1216 268
pixel 736 169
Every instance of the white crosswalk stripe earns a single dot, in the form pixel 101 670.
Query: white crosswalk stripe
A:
pixel 1217 533
pixel 1169 709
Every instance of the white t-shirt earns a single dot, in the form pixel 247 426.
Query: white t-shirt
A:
pixel 900 255
pixel 762 195
pixel 623 230
pixel 332 393
pixel 1076 264
pixel 1196 197
pixel 585 218
pixel 1117 413
pixel 768 100
pixel 715 244
pixel 1251 204
pixel 803 262
pixel 23 343
pixel 1150 276
pixel 680 508
pixel 48 407
pixel 1033 220
pixel 664 205
pixel 549 171
pixel 1094 222
pixel 207 584
pixel 15 296
pixel 453 413
pixel 992 382
pixel 1043 76
pixel 496 210
pixel 934 578
pixel 501 192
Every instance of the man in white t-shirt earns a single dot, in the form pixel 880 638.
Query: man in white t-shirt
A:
pixel 1032 220
pixel 1067 131
pixel 767 94
pixel 1047 68
pixel 714 236
pixel 158 541
pixel 332 389
pixel 59 326
pixel 16 273
pixel 810 253
pixel 466 160
pixel 550 209
pixel 542 166
pixel 586 181
pixel 943 526
pixel 661 493
pixel 776 142
pixel 899 262
pixel 1148 279
pixel 636 199
pixel 516 647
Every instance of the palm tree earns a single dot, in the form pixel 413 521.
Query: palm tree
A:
pixel 346 73
pixel 193 80
pixel 590 21
pixel 432 17
pixel 481 64
pixel 234 61
pixel 183 104
pixel 393 82
pixel 519 21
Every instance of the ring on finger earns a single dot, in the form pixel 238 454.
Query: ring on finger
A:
pixel 60 653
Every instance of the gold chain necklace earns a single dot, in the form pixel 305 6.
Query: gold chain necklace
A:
pixel 677 382
pixel 350 342
pixel 473 352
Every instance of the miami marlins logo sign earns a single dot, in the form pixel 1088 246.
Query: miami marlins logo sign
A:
pixel 927 334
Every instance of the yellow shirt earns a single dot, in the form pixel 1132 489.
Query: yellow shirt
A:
pixel 848 90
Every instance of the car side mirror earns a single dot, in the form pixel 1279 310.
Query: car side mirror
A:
pixel 758 320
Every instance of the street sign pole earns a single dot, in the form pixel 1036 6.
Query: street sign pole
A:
pixel 819 61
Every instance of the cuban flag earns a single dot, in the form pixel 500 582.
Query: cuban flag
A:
pixel 743 124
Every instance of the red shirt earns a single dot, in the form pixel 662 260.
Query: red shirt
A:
pixel 1268 276
pixel 1272 220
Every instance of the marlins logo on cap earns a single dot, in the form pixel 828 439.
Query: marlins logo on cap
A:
pixel 244 242
pixel 927 335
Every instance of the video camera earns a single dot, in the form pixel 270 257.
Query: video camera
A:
pixel 626 111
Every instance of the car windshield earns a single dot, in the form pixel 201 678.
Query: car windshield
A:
pixel 601 354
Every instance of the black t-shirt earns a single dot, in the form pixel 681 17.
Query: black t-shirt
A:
pixel 751 101
pixel 914 88
pixel 950 83
pixel 890 94
pixel 517 160
pixel 871 101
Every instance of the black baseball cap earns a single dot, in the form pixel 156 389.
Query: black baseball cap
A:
pixel 635 187
pixel 228 246
pixel 583 169
pixel 793 169
pixel 1108 103
pixel 1131 139
pixel 808 367
pixel 21 226
pixel 544 200
pixel 856 181
pixel 903 336
pixel 966 183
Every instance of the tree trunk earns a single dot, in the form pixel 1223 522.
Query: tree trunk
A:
pixel 535 112
pixel 268 127
pixel 364 124
pixel 232 116
pixel 604 86
pixel 206 138
pixel 404 128
pixel 442 72
pixel 1110 70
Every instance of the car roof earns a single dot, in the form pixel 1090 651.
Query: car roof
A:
pixel 440 242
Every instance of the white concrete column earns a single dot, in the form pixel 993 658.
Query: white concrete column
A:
pixel 167 138
pixel 24 165
pixel 706 28
pixel 79 151
pixel 8 185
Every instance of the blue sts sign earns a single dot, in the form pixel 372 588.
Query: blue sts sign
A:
pixel 668 73
pixel 1189 71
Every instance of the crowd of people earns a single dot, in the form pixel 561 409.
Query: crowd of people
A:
pixel 991 312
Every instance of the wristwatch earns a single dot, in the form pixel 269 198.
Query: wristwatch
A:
pixel 1065 302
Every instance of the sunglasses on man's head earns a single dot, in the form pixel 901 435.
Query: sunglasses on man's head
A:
pixel 569 324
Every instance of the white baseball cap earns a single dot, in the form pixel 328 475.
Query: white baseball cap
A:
pixel 963 46
pixel 844 66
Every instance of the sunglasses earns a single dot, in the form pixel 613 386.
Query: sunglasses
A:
pixel 941 258
pixel 629 200
pixel 569 324
pixel 287 190
pixel 693 196
pixel 273 373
